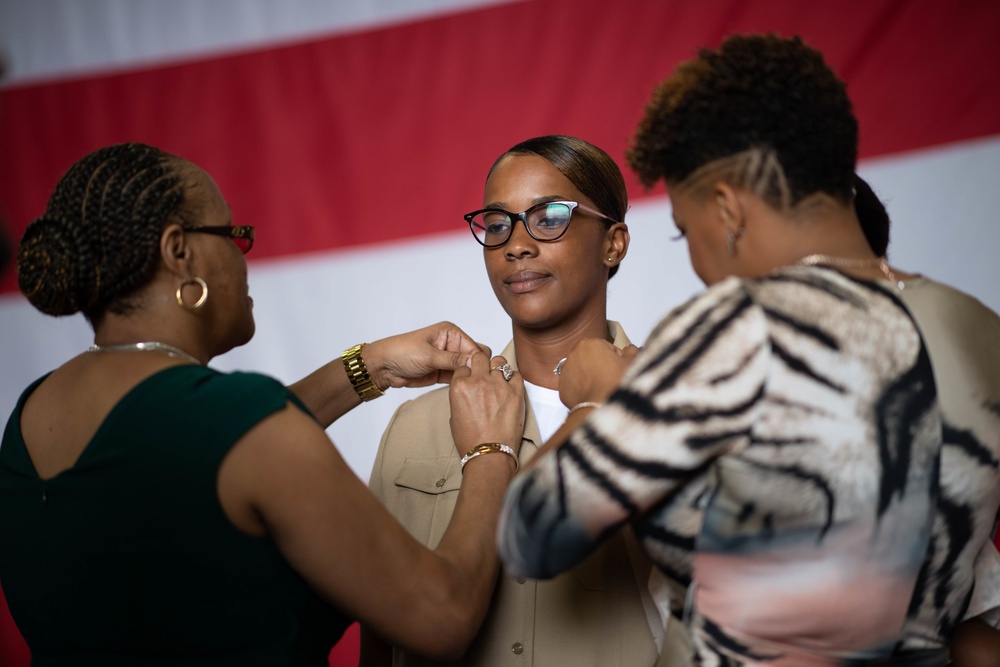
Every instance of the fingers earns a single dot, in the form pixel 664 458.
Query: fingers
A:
pixel 479 363
pixel 450 338
pixel 485 406
pixel 475 360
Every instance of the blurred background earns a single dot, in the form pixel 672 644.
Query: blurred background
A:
pixel 355 133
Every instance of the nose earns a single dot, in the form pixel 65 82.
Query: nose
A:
pixel 520 243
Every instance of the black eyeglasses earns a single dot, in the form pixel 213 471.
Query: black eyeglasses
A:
pixel 241 235
pixel 547 221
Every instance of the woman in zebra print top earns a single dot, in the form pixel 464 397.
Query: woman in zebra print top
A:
pixel 794 399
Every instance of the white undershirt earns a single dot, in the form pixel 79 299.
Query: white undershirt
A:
pixel 549 410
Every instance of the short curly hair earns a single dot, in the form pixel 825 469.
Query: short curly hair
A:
pixel 772 100
pixel 98 240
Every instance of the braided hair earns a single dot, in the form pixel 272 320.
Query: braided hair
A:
pixel 770 101
pixel 99 238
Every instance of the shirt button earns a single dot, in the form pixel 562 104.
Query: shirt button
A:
pixel 517 648
pixel 439 483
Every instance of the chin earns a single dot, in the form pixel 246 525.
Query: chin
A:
pixel 251 330
pixel 244 334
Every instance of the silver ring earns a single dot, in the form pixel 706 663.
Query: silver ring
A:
pixel 558 369
pixel 507 371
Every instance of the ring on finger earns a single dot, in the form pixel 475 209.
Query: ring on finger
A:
pixel 558 369
pixel 507 371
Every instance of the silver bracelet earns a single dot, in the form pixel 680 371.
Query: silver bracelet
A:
pixel 490 448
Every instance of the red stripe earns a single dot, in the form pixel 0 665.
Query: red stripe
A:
pixel 387 134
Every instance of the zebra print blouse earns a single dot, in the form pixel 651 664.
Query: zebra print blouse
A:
pixel 791 423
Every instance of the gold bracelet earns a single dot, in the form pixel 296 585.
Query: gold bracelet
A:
pixel 491 448
pixel 584 404
pixel 362 382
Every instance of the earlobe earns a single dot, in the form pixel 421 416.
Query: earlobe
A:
pixel 618 240
pixel 730 206
pixel 731 213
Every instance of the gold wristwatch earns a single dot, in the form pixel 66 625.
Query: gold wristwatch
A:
pixel 362 381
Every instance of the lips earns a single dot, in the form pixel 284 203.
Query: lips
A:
pixel 525 281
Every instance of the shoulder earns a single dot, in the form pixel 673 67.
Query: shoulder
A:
pixel 419 427
pixel 202 384
pixel 935 298
pixel 206 380
pixel 718 308
pixel 618 335
pixel 432 406
pixel 218 401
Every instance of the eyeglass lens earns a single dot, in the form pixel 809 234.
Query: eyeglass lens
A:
pixel 244 243
pixel 546 222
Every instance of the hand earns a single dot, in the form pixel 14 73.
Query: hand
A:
pixel 484 406
pixel 592 371
pixel 420 358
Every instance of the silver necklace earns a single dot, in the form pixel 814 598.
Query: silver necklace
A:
pixel 149 346
pixel 847 263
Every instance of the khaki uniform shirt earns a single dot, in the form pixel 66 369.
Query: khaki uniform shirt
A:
pixel 592 615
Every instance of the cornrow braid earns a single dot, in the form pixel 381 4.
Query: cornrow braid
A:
pixel 98 240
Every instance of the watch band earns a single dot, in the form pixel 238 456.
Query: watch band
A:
pixel 361 380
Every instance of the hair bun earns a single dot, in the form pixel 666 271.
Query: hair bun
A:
pixel 52 272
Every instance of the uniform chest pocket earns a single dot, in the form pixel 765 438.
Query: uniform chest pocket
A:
pixel 433 476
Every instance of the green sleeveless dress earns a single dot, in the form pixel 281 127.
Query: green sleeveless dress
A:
pixel 127 558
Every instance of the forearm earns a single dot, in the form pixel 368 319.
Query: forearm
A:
pixel 416 359
pixel 327 392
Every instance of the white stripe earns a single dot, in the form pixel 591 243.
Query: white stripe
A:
pixel 58 38
pixel 311 307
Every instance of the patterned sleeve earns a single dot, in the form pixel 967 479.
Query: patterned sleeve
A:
pixel 689 397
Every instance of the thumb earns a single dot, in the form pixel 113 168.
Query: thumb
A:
pixel 444 360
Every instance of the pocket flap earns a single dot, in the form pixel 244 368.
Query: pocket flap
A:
pixel 434 476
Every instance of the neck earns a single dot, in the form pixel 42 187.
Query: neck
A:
pixel 538 351
pixel 817 226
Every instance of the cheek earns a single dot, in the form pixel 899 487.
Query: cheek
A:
pixel 494 263
pixel 701 260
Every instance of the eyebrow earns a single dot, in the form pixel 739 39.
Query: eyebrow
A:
pixel 534 202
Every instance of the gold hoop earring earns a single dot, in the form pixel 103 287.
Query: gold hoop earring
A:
pixel 201 300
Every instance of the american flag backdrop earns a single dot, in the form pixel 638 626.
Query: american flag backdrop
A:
pixel 355 133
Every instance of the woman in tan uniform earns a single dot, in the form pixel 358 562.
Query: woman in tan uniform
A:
pixel 552 232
